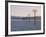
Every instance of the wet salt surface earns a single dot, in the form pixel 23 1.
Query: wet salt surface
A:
pixel 24 25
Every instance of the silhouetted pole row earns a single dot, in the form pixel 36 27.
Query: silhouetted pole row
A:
pixel 34 11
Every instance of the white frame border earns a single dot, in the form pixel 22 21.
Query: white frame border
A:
pixel 23 32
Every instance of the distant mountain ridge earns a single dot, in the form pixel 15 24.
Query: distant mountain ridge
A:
pixel 14 17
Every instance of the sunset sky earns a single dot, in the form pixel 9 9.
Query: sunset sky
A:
pixel 23 11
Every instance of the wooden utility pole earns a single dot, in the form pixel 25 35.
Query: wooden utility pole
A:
pixel 29 17
pixel 34 15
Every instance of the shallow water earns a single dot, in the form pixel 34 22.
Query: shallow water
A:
pixel 24 25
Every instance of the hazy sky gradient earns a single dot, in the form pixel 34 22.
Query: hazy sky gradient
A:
pixel 19 10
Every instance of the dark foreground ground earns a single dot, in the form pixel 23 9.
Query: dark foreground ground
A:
pixel 25 24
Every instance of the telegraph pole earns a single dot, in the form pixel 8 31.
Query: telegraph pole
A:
pixel 29 17
pixel 34 16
